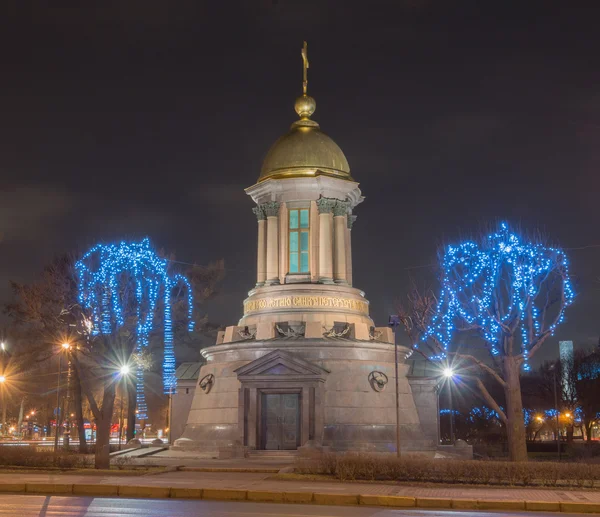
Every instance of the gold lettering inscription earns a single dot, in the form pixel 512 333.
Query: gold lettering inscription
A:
pixel 306 302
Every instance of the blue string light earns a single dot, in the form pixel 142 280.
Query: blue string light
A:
pixel 128 277
pixel 495 285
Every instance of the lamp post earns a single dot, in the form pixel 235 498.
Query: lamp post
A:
pixel 3 397
pixel 124 371
pixel 553 368
pixel 64 347
pixel 449 374
pixel 2 381
pixel 394 321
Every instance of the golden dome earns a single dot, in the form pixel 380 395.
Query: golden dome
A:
pixel 305 150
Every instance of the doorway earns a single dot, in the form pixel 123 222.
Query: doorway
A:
pixel 280 421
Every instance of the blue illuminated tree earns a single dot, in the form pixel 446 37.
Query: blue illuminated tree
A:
pixel 126 291
pixel 509 292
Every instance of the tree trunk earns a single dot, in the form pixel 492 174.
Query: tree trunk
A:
pixel 131 406
pixel 515 426
pixel 78 400
pixel 570 430
pixel 103 425
pixel 588 431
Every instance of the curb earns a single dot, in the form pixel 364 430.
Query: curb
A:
pixel 158 492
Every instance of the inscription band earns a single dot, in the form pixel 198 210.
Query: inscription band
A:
pixel 306 302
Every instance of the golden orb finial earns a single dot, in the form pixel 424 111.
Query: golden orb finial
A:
pixel 305 106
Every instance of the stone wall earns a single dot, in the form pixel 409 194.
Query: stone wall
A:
pixel 425 395
pixel 181 402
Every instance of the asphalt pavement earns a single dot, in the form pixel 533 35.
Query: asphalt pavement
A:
pixel 55 506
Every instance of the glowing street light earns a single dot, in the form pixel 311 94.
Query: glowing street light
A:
pixel 2 379
pixel 124 371
pixel 448 373
pixel 3 346
pixel 567 415
pixel 65 348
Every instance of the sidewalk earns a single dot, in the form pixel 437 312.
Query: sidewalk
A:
pixel 176 458
pixel 261 482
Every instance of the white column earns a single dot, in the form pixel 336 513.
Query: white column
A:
pixel 340 226
pixel 326 239
pixel 283 242
pixel 314 242
pixel 261 256
pixel 351 219
pixel 271 210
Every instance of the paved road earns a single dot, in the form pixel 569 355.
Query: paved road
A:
pixel 47 506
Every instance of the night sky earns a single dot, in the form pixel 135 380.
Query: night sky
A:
pixel 139 118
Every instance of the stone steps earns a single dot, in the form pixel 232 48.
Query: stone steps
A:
pixel 281 454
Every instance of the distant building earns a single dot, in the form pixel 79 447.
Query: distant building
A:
pixel 565 349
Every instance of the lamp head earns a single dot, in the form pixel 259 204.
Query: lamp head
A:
pixel 448 372
pixel 394 321
pixel 66 346
pixel 125 369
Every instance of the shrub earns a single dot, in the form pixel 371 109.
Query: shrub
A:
pixel 351 466
pixel 30 456
pixel 122 461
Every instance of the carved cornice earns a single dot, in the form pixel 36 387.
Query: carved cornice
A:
pixel 326 205
pixel 259 213
pixel 340 208
pixel 351 219
pixel 271 209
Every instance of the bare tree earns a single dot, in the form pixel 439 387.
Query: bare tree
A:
pixel 36 315
pixel 506 296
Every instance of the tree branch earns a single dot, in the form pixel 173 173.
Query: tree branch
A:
pixel 481 365
pixel 490 400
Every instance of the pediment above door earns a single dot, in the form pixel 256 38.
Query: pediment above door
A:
pixel 280 365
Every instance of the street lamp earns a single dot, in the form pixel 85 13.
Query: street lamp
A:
pixel 393 322
pixel 553 369
pixel 3 400
pixel 449 374
pixel 124 372
pixel 65 347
